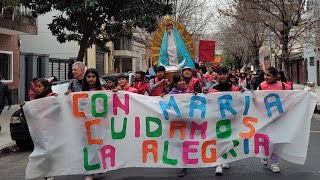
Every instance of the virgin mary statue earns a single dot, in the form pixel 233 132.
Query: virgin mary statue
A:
pixel 174 53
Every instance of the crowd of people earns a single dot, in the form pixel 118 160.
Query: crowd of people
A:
pixel 202 79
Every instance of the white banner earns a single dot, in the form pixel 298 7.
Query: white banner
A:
pixel 94 132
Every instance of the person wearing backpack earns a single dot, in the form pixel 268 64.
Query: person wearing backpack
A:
pixel 271 83
pixel 78 70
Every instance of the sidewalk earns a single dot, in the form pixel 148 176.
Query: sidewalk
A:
pixel 5 138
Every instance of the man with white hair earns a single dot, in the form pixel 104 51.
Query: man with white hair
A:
pixel 78 70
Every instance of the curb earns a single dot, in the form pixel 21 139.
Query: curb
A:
pixel 5 149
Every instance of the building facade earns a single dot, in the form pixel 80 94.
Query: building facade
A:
pixel 312 47
pixel 129 55
pixel 43 56
pixel 14 21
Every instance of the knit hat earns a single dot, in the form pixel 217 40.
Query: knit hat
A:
pixel 161 68
pixel 186 67
pixel 112 78
pixel 122 76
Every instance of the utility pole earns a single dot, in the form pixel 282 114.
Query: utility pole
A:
pixel 273 63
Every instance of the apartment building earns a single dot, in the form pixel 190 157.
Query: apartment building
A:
pixel 14 21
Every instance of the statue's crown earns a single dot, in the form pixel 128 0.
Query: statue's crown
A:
pixel 168 21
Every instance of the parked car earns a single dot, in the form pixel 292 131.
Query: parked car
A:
pixel 19 130
pixel 61 87
pixel 18 125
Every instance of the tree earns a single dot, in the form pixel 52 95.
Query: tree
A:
pixel 234 44
pixel 197 16
pixel 288 21
pixel 285 20
pixel 99 21
pixel 246 22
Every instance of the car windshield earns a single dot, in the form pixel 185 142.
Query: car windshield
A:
pixel 60 88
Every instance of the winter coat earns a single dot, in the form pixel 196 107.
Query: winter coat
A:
pixel 176 91
pixel 276 86
pixel 5 94
pixel 157 87
pixel 224 87
pixel 128 88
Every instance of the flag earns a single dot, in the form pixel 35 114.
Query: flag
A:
pixel 217 59
pixel 206 50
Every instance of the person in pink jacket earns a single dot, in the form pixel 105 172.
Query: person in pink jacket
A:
pixel 32 90
pixel 271 83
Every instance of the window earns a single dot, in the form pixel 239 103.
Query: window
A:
pixel 311 61
pixel 123 43
pixel 6 66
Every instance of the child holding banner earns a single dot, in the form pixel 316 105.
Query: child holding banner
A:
pixel 91 81
pixel 43 89
pixel 111 83
pixel 271 83
pixel 139 82
pixel 123 84
pixel 224 84
pixel 178 85
pixel 193 84
pixel 159 85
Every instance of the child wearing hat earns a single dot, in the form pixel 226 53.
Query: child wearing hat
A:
pixel 193 84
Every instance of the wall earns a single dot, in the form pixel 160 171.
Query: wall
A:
pixel 312 70
pixel 11 43
pixel 46 43
pixel 139 50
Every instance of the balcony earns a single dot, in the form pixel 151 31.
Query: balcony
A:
pixel 17 21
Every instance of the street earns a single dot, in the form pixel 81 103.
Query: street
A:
pixel 13 165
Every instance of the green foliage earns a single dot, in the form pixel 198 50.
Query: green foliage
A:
pixel 99 21
pixel 9 3
pixel 228 60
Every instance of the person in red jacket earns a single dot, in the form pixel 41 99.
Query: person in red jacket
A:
pixel 139 82
pixel 271 83
pixel 159 86
pixel 123 84
pixel 193 83
pixel 224 84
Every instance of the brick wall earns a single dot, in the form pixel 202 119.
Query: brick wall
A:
pixel 11 43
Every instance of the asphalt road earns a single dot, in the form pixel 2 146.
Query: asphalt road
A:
pixel 13 165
